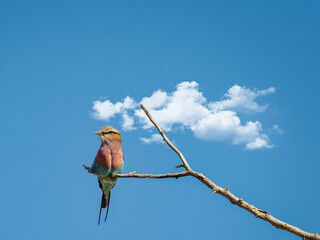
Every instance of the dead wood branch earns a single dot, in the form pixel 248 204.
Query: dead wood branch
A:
pixel 225 192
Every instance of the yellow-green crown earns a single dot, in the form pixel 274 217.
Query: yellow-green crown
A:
pixel 108 130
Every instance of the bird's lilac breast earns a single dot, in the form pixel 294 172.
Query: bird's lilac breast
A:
pixel 110 156
pixel 103 157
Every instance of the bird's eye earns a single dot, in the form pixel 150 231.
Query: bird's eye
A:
pixel 109 132
pixel 114 132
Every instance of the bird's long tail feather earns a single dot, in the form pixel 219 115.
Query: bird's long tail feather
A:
pixel 101 208
pixel 104 201
pixel 107 206
pixel 104 204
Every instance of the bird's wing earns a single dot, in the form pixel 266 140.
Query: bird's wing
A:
pixel 102 162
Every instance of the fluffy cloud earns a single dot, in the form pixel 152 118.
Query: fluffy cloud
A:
pixel 127 122
pixel 155 138
pixel 184 107
pixel 241 99
pixel 187 107
pixel 258 143
pixel 106 110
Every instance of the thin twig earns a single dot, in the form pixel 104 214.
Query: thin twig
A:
pixel 183 160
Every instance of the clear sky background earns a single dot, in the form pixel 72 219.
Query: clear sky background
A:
pixel 58 57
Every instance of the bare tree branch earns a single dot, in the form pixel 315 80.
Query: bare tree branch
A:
pixel 258 213
pixel 153 176
pixel 265 215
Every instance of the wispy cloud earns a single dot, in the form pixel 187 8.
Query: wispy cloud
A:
pixel 187 107
pixel 155 138
pixel 277 129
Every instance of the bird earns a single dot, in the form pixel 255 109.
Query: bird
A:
pixel 108 161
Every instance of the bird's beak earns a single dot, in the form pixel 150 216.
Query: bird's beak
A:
pixel 97 132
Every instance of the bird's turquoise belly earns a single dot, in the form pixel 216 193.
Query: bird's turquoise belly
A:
pixel 98 170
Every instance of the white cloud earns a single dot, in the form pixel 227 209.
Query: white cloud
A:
pixel 226 126
pixel 258 143
pixel 186 107
pixel 157 100
pixel 127 122
pixel 155 138
pixel 106 109
pixel 217 126
pixel 241 99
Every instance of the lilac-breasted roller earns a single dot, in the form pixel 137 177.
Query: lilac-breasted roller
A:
pixel 109 160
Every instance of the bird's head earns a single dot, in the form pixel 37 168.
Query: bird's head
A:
pixel 108 133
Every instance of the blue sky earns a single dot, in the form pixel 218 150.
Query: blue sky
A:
pixel 59 58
